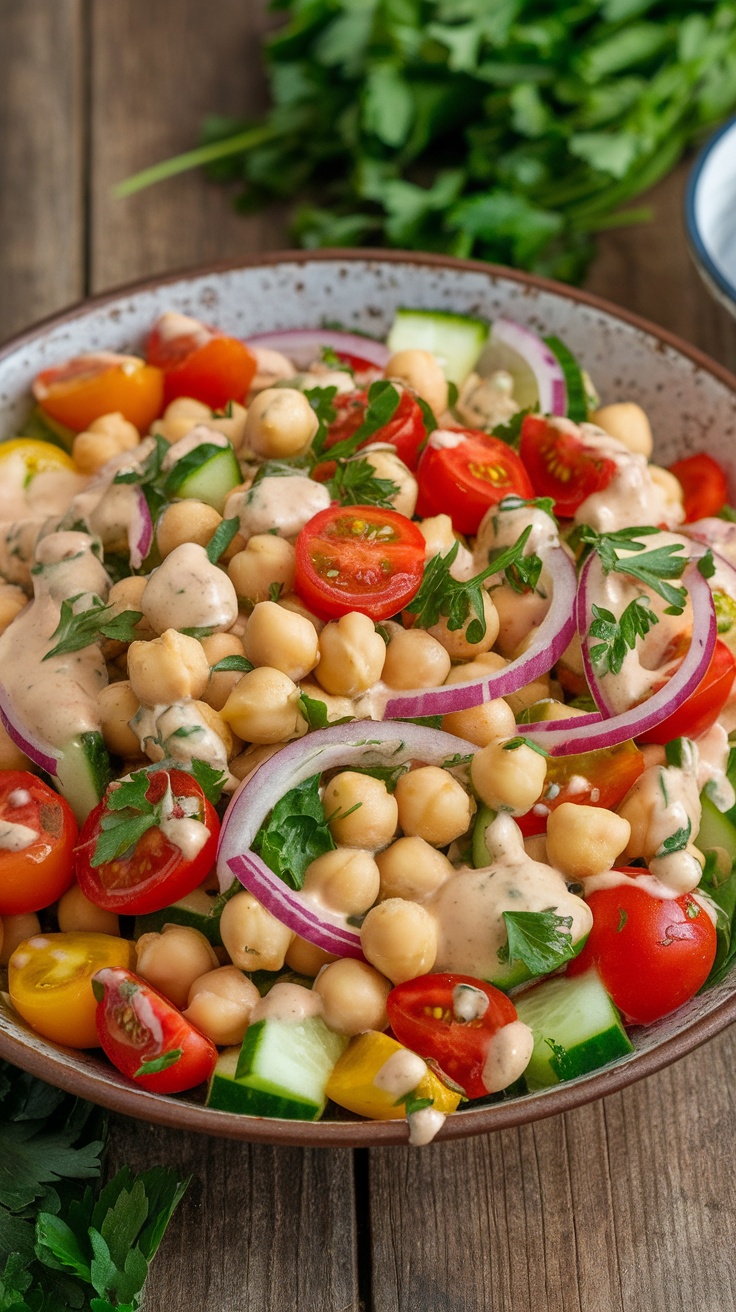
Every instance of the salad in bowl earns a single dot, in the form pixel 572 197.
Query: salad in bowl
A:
pixel 366 710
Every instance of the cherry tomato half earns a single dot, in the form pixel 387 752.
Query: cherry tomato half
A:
pixel 34 875
pixel 199 361
pixel 136 1024
pixel 560 463
pixel 701 709
pixel 406 431
pixel 81 390
pixel 652 953
pixel 154 872
pixel 422 1017
pixel 50 982
pixel 703 483
pixel 358 558
pixel 600 778
pixel 462 472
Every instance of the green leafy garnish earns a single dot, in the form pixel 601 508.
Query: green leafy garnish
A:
pixel 149 476
pixel 441 595
pixel 129 813
pixel 210 779
pixel 618 636
pixel 510 431
pixel 315 713
pixel 412 1103
pixel 79 629
pixel 157 1064
pixel 720 888
pixel 322 401
pixel 675 842
pixel 653 568
pixel 383 402
pixel 232 664
pixel 541 940
pixel 295 834
pixel 355 483
pixel 514 743
pixel 221 538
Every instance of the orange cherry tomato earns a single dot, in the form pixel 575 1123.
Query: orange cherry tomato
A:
pixel 50 982
pixel 81 390
pixel 34 875
pixel 200 361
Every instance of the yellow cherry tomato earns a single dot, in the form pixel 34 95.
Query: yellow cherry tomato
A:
pixel 49 981
pixel 27 456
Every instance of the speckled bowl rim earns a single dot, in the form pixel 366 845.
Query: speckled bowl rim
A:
pixel 713 276
pixel 176 1113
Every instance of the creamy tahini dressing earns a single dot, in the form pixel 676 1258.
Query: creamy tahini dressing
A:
pixel 469 1003
pixel 632 497
pixel 508 1056
pixel 181 732
pixel 424 1125
pixel 400 1073
pixel 502 525
pixel 713 752
pixel 663 808
pixel 16 838
pixel 469 906
pixel 285 504
pixel 290 1003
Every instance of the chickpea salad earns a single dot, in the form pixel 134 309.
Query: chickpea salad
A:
pixel 365 718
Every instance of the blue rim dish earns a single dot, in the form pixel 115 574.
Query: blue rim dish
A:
pixel 710 268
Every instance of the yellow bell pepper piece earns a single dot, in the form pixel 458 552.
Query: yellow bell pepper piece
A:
pixel 351 1084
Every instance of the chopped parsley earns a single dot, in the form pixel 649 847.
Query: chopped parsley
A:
pixel 441 596
pixel 541 940
pixel 79 629
pixel 616 637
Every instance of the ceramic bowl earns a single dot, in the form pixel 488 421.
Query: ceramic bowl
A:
pixel 692 405
pixel 710 214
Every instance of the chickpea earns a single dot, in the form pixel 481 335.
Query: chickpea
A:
pixel 221 682
pixel 76 912
pixel 263 707
pixel 172 668
pixel 585 840
pixel 399 938
pixel 186 521
pixel 266 559
pixel 351 655
pixel 220 1002
pixel 508 779
pixel 536 691
pixel 337 707
pixel 243 765
pixel 252 937
pixel 455 641
pixel 346 879
pixel 188 592
pixel 180 417
pixel 669 484
pixel 306 959
pixel 424 374
pixel 117 705
pixel 438 534
pixel 282 640
pixel 353 997
pixel 433 805
pixel 280 422
pixel 16 929
pixel 387 464
pixel 271 366
pixel 12 602
pixel 627 422
pixel 295 606
pixel 481 724
pixel 414 659
pixel 107 436
pixel 232 424
pixel 127 594
pixel 488 662
pixel 172 960
pixel 372 824
pixel 412 869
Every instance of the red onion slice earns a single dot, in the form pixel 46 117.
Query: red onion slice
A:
pixel 553 636
pixel 360 743
pixel 564 737
pixel 508 339
pixel 140 530
pixel 36 749
pixel 303 345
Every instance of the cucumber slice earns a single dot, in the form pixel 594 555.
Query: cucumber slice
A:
pixel 577 394
pixel 456 339
pixel 282 1070
pixel 208 473
pixel 198 909
pixel 576 1028
pixel 483 817
pixel 716 830
pixel 83 773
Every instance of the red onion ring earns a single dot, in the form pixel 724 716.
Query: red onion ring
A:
pixel 303 345
pixel 541 360
pixel 362 742
pixel 140 530
pixel 35 748
pixel 553 636
pixel 564 737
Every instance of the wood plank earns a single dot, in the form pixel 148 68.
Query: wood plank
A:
pixel 41 159
pixel 259 1230
pixel 156 71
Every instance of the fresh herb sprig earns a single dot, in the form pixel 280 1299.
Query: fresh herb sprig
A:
pixel 129 812
pixel 355 483
pixel 295 833
pixel 617 636
pixel 79 629
pixel 440 595
pixel 539 939
pixel 383 402
pixel 652 568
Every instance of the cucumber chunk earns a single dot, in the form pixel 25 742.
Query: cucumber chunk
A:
pixel 83 773
pixel 208 473
pixel 716 830
pixel 281 1070
pixel 576 1028
pixel 456 339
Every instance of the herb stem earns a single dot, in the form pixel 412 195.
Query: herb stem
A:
pixel 192 159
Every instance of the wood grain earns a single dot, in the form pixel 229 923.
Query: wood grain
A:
pixel 41 159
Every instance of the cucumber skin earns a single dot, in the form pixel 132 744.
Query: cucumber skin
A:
pixel 208 484
pixel 257 1095
pixel 716 830
pixel 228 1094
pixel 83 773
pixel 551 1063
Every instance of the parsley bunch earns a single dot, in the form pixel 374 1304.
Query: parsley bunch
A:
pixel 512 132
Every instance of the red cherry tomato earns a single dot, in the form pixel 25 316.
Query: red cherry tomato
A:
pixel 201 362
pixel 701 709
pixel 405 431
pixel 136 1024
pixel 33 876
pixel 652 953
pixel 358 558
pixel 154 872
pixel 600 778
pixel 81 390
pixel 422 1017
pixel 704 484
pixel 560 464
pixel 463 479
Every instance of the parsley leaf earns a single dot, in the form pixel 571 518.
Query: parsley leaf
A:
pixel 295 833
pixel 315 713
pixel 676 842
pixel 149 476
pixel 383 402
pixel 321 400
pixel 221 538
pixel 411 1103
pixel 539 939
pixel 653 568
pixel 439 594
pixel 513 743
pixel 210 779
pixel 79 629
pixel 161 1063
pixel 618 636
pixel 355 483
pixel 234 664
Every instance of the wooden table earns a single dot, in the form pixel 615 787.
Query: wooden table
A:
pixel 628 1205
